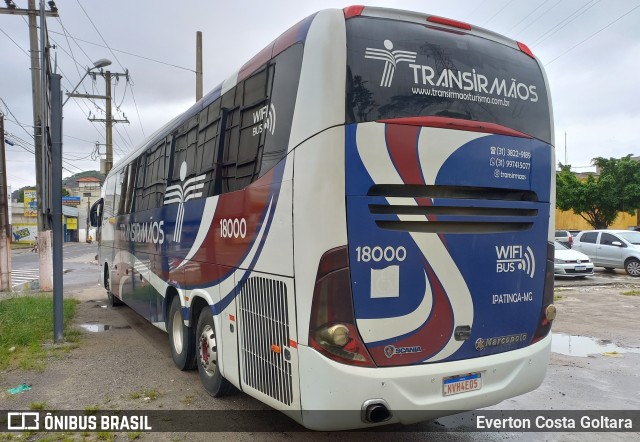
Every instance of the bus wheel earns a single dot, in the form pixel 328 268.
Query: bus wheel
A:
pixel 210 376
pixel 112 300
pixel 181 338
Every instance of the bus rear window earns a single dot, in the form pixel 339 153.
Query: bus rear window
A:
pixel 398 69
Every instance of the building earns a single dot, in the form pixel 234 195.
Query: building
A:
pixel 86 191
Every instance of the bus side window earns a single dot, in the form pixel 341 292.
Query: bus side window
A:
pixel 138 201
pixel 154 176
pixel 118 192
pixel 208 140
pixel 109 193
pixel 185 143
pixel 283 99
pixel 128 196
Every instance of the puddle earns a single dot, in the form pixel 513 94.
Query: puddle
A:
pixel 97 328
pixel 583 346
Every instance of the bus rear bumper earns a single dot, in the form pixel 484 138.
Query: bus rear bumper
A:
pixel 333 394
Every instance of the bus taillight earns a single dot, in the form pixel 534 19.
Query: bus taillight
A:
pixel 449 22
pixel 524 48
pixel 548 313
pixel 332 329
pixel 352 11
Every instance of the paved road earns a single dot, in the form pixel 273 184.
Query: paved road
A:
pixel 600 277
pixel 76 256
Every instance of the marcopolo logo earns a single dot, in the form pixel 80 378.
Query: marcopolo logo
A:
pixel 484 343
pixel 515 257
pixel 181 193
pixel 391 350
pixel 391 58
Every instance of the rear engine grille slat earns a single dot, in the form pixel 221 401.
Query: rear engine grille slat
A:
pixel 457 192
pixel 382 209
pixel 454 226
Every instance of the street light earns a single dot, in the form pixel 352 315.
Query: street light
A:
pixel 103 62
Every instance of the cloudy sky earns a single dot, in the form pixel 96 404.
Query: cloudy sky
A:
pixel 589 48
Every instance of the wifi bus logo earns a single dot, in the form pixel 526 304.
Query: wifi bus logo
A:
pixel 515 257
pixel 180 194
pixel 264 120
pixel 391 59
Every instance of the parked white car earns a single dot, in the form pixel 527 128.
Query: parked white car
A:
pixel 568 262
pixel 611 249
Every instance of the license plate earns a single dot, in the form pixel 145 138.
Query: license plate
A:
pixel 580 268
pixel 462 383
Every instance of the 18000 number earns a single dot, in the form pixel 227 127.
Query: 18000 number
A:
pixel 377 254
pixel 233 228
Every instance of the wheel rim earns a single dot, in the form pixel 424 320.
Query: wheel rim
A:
pixel 207 350
pixel 633 268
pixel 177 332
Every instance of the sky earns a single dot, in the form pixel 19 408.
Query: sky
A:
pixel 590 50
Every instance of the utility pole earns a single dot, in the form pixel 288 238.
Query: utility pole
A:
pixel 198 65
pixel 45 259
pixel 5 242
pixel 109 125
pixel 108 120
pixel 56 205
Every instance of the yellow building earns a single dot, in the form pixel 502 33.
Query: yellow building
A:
pixel 569 220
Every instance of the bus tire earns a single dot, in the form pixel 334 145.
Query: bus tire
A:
pixel 181 338
pixel 112 300
pixel 207 356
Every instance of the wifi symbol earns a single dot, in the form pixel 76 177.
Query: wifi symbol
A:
pixel 528 263
pixel 270 121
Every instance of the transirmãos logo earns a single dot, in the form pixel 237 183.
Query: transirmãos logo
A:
pixel 391 58
pixel 484 343
pixel 445 82
pixel 391 350
pixel 181 193
pixel 515 257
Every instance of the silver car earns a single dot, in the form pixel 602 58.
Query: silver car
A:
pixel 611 249
pixel 568 262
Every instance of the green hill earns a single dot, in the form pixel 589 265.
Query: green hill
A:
pixel 66 182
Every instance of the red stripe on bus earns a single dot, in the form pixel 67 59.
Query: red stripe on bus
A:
pixel 457 124
pixel 402 143
pixel 255 63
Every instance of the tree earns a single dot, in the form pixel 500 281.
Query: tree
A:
pixel 65 192
pixel 599 199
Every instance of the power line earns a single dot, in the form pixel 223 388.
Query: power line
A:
pixel 14 42
pixel 526 16
pixel 564 23
pixel 133 95
pixel 499 11
pixel 128 53
pixel 594 34
pixel 539 17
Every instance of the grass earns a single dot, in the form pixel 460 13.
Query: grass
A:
pixel 37 406
pixel 21 245
pixel 25 324
pixel 91 409
pixel 147 395
pixel 632 293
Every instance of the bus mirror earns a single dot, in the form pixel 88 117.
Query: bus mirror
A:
pixel 95 215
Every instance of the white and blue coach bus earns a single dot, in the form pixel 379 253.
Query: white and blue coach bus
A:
pixel 360 218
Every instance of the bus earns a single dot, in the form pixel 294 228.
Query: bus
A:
pixel 360 218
